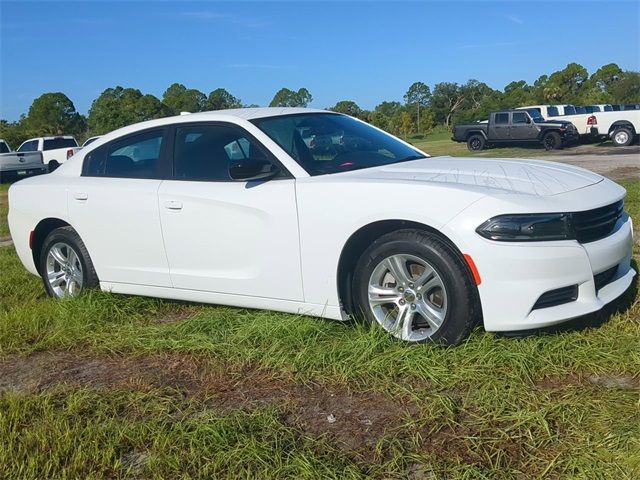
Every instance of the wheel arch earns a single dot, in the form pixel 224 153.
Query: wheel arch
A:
pixel 471 133
pixel 362 238
pixel 622 124
pixel 43 228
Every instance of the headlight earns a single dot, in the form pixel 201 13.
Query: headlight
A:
pixel 528 227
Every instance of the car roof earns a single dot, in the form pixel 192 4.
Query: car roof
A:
pixel 253 113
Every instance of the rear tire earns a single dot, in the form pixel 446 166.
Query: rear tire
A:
pixel 65 265
pixel 552 141
pixel 52 165
pixel 433 298
pixel 622 137
pixel 476 143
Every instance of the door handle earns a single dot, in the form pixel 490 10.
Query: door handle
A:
pixel 81 196
pixel 173 205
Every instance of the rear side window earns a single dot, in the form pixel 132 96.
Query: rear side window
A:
pixel 55 143
pixel 136 156
pixel 4 148
pixel 520 117
pixel 502 118
pixel 552 111
pixel 30 146
pixel 205 152
pixel 608 108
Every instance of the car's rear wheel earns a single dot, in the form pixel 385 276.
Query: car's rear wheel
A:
pixel 53 164
pixel 413 285
pixel 65 265
pixel 622 137
pixel 475 143
pixel 552 141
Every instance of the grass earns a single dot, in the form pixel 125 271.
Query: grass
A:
pixel 4 210
pixel 547 406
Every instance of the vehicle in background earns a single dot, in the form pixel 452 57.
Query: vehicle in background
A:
pixel 55 150
pixel 564 112
pixel 620 127
pixel 15 165
pixel 90 140
pixel 516 126
pixel 4 147
pixel 603 107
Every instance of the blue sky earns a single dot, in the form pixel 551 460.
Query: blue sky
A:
pixel 362 51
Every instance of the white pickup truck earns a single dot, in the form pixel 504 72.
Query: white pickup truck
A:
pixel 622 127
pixel 55 150
pixel 564 112
pixel 15 165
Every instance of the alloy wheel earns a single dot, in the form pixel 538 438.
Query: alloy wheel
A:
pixel 64 270
pixel 407 297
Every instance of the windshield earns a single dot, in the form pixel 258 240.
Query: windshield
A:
pixel 535 114
pixel 325 143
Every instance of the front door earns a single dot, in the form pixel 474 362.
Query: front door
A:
pixel 225 236
pixel 522 128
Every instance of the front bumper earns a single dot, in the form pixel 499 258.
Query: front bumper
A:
pixel 515 276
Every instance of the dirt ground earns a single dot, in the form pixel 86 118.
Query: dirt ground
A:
pixel 617 163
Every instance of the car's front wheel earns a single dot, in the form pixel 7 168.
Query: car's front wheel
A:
pixel 416 287
pixel 552 141
pixel 65 265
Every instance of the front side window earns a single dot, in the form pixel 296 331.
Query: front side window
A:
pixel 206 152
pixel 136 156
pixel 520 117
pixel 502 118
pixel 324 143
pixel 30 146
pixel 55 143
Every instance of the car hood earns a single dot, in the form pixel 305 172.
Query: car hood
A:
pixel 515 176
pixel 553 122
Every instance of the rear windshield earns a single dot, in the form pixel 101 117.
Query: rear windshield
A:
pixel 4 148
pixel 56 143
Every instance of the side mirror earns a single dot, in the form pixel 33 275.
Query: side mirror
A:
pixel 251 169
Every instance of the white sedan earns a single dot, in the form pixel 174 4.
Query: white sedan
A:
pixel 233 207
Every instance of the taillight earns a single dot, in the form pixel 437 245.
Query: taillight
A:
pixel 69 153
pixel 592 120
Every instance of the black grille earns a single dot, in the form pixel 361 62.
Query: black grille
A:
pixel 598 223
pixel 604 278
pixel 557 297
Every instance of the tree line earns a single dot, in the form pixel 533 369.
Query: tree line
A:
pixel 422 108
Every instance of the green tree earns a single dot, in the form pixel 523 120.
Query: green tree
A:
pixel 347 107
pixel 517 94
pixel 14 133
pixel 54 114
pixel 220 99
pixel 447 99
pixel 179 98
pixel 606 76
pixel 288 98
pixel 118 107
pixel 418 95
pixel 565 85
pixel 627 88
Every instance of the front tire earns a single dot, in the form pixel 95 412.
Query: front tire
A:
pixel 65 265
pixel 621 137
pixel 417 288
pixel 552 141
pixel 476 143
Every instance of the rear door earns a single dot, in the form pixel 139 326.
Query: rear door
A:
pixel 114 207
pixel 499 127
